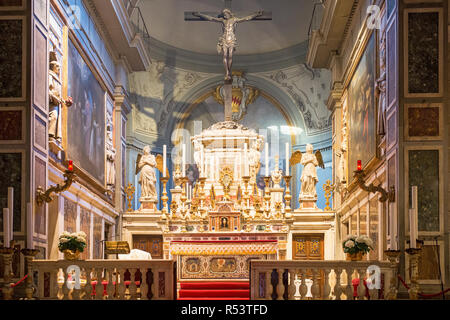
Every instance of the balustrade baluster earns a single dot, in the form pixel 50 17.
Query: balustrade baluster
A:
pixel 88 286
pixel 338 285
pixel 143 285
pixel 40 284
pixel 349 288
pixel 155 286
pixel 326 284
pixel 291 284
pixel 99 286
pixel 361 288
pixel 54 287
pixel 121 288
pixel 315 288
pixel 65 289
pixel 110 286
pixel 268 285
pixel 132 287
pixel 280 285
pixel 303 286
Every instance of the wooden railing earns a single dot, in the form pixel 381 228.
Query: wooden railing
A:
pixel 320 280
pixel 105 279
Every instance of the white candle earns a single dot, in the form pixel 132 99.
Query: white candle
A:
pixel 267 159
pixel 392 232
pixel 217 167
pixel 11 211
pixel 30 226
pixel 211 167
pixel 235 170
pixel 412 235
pixel 6 229
pixel 240 164
pixel 415 210
pixel 245 161
pixel 164 160
pixel 287 158
pixel 202 162
pixel 184 160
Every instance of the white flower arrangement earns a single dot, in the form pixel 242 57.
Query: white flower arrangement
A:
pixel 353 244
pixel 72 241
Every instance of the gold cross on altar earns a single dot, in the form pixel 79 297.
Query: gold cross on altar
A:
pixel 129 190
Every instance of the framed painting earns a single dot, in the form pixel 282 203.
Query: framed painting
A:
pixel 86 117
pixel 361 110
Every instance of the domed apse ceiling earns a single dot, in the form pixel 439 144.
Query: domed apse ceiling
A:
pixel 289 25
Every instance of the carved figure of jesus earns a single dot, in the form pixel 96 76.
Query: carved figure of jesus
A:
pixel 227 42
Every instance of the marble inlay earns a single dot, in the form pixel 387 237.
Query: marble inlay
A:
pixel 11 125
pixel 424 173
pixel 11 176
pixel 423 121
pixel 97 254
pixel 11 59
pixel 423 52
pixel 70 215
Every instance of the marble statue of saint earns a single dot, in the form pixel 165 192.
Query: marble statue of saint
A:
pixel 146 165
pixel 227 42
pixel 110 154
pixel 309 178
pixel 55 99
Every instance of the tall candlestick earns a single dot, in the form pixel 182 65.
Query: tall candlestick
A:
pixel 6 229
pixel 217 167
pixel 184 160
pixel 164 160
pixel 11 211
pixel 287 159
pixel 240 164
pixel 235 170
pixel 267 159
pixel 30 226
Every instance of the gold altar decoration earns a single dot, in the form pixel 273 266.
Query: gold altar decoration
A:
pixel 117 247
pixel 213 249
pixel 129 190
pixel 329 189
pixel 226 179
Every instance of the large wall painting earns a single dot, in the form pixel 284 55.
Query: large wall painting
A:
pixel 362 142
pixel 86 117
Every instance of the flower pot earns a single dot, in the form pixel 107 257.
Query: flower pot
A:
pixel 71 255
pixel 355 256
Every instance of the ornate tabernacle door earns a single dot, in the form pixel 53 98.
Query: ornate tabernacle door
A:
pixel 225 219
pixel 309 247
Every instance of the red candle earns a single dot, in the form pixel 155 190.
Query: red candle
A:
pixel 70 167
pixel 359 165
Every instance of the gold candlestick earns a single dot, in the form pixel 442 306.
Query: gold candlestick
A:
pixel 393 256
pixel 414 254
pixel 287 197
pixel 29 255
pixel 164 198
pixel 267 197
pixel 202 210
pixel 328 188
pixel 7 254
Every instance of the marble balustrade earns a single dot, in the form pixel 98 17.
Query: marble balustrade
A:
pixel 154 279
pixel 318 280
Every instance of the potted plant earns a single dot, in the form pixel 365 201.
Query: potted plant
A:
pixel 356 247
pixel 72 244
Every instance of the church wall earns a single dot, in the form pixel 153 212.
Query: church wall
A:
pixel 413 151
pixel 30 32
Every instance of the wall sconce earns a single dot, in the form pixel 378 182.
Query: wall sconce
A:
pixel 46 196
pixel 385 195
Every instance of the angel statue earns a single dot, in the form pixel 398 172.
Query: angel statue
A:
pixel 309 174
pixel 146 164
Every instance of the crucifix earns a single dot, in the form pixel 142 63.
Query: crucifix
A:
pixel 227 42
